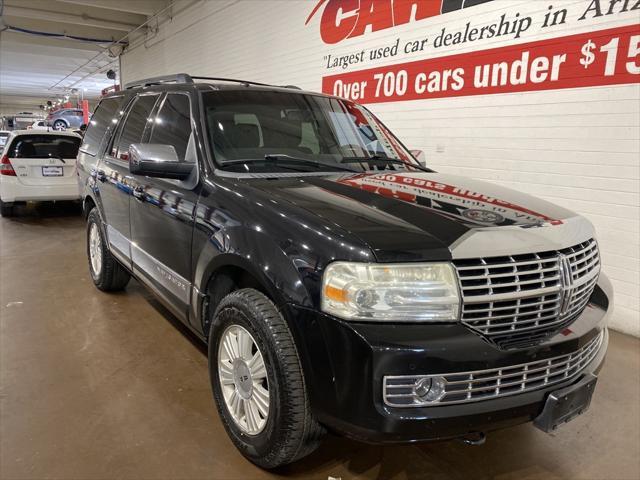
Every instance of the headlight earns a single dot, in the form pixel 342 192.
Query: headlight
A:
pixel 409 292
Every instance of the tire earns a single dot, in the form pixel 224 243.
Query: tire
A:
pixel 59 125
pixel 6 209
pixel 107 274
pixel 289 431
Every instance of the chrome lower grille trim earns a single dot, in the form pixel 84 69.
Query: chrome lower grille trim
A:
pixel 474 386
pixel 519 300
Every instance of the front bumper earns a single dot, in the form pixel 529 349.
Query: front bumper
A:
pixel 345 362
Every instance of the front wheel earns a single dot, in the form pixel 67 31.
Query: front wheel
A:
pixel 59 125
pixel 257 381
pixel 107 274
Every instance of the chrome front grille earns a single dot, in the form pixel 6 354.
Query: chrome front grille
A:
pixel 473 386
pixel 518 300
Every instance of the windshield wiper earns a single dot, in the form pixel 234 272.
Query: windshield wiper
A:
pixel 276 157
pixel 378 158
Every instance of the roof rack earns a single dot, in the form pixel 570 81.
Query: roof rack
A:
pixel 234 80
pixel 186 78
pixel 176 78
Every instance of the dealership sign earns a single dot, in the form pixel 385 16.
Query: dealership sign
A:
pixel 597 57
pixel 605 57
pixel 342 19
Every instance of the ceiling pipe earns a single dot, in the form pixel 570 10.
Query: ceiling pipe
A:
pixel 107 49
pixel 139 7
pixel 24 12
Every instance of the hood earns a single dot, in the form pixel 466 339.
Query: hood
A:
pixel 410 216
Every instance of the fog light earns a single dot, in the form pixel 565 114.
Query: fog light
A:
pixel 430 389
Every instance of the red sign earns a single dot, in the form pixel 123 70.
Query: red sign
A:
pixel 342 19
pixel 605 57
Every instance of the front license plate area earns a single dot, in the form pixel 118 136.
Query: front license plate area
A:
pixel 567 403
pixel 50 171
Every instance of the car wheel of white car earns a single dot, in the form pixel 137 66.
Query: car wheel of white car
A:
pixel 107 274
pixel 6 209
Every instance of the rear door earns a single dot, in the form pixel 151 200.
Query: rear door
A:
pixel 115 182
pixel 44 159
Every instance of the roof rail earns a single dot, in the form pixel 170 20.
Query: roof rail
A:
pixel 176 78
pixel 245 82
pixel 234 80
pixel 186 78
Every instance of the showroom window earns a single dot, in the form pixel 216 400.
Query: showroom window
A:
pixel 103 117
pixel 173 125
pixel 134 125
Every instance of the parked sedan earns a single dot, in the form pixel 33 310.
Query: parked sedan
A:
pixel 38 165
pixel 65 118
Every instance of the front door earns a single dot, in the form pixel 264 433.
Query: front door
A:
pixel 163 210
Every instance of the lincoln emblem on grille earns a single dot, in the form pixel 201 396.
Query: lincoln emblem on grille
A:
pixel 566 281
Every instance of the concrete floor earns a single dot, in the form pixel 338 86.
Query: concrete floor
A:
pixel 97 386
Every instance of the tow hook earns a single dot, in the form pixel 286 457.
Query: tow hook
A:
pixel 474 439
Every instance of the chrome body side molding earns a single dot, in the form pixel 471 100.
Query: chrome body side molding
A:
pixel 119 244
pixel 177 285
pixel 129 253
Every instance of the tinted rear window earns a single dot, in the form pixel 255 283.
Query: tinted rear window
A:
pixel 104 116
pixel 137 119
pixel 44 146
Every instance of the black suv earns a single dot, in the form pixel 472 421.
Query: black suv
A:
pixel 339 283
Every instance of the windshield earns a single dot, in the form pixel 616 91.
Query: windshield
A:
pixel 262 131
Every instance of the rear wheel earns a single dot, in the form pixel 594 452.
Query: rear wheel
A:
pixel 59 125
pixel 6 209
pixel 107 274
pixel 257 381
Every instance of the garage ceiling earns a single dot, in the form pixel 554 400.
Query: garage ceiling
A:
pixel 39 56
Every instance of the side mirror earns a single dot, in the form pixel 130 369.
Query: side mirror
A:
pixel 83 127
pixel 420 156
pixel 157 160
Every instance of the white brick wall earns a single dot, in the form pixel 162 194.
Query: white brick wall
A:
pixel 579 148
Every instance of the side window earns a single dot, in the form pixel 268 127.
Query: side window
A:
pixel 104 117
pixel 172 126
pixel 134 125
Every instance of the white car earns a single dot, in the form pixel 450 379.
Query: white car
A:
pixel 38 166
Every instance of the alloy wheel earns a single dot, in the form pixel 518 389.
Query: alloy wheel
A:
pixel 243 379
pixel 95 249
